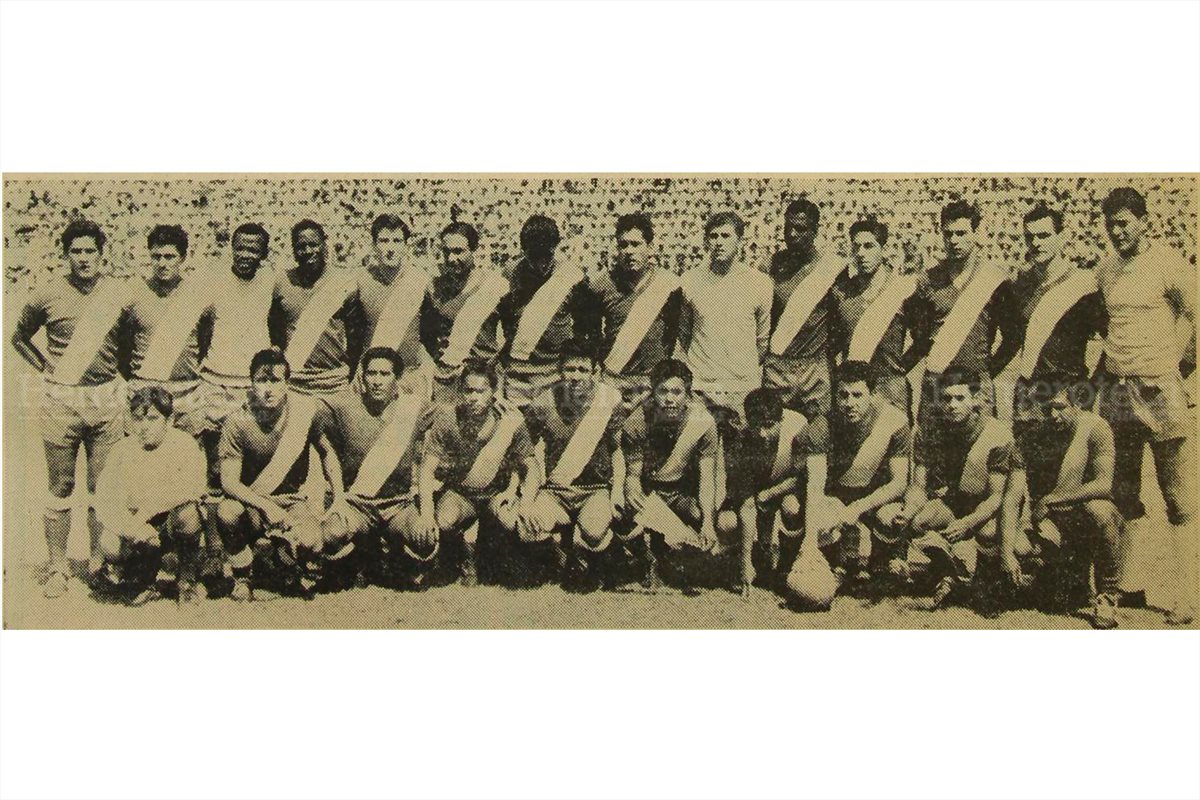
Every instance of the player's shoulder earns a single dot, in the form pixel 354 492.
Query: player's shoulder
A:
pixel 634 424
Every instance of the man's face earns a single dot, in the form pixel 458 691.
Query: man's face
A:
pixel 723 244
pixel 633 251
pixel 166 260
pixel 475 396
pixel 799 232
pixel 867 252
pixel 671 398
pixel 578 376
pixel 268 386
pixel 150 426
pixel 389 247
pixel 766 429
pixel 457 257
pixel 1060 411
pixel 249 250
pixel 1043 241
pixel 854 401
pixel 958 403
pixel 959 238
pixel 309 249
pixel 379 380
pixel 84 256
pixel 1125 230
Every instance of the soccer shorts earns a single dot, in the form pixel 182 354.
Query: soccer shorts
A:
pixel 1154 408
pixel 803 383
pixel 72 415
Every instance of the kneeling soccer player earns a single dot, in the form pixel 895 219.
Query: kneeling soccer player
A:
pixel 271 534
pixel 147 504
pixel 961 463
pixel 473 451
pixel 579 419
pixel 856 462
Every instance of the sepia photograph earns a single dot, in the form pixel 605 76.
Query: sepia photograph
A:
pixel 601 401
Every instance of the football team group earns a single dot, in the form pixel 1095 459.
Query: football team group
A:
pixel 807 426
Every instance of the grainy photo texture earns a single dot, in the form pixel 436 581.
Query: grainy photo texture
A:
pixel 600 401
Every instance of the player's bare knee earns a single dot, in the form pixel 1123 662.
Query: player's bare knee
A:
pixel 789 506
pixel 229 514
pixel 185 521
pixel 727 521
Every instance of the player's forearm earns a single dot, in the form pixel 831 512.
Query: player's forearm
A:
pixel 785 486
pixel 531 478
pixel 28 351
pixel 879 498
pixel 983 512
pixel 1010 512
pixel 232 485
pixel 332 468
pixel 1091 490
pixel 425 482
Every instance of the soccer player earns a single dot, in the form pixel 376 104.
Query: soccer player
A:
pixel 82 313
pixel 271 534
pixel 803 275
pixel 459 317
pixel 762 485
pixel 170 325
pixel 856 462
pixel 1149 293
pixel 377 434
pixel 316 316
pixel 391 289
pixel 475 447
pixel 147 502
pixel 961 465
pixel 549 302
pixel 579 418
pixel 1068 456
pixel 956 310
pixel 670 446
pixel 640 306
pixel 867 324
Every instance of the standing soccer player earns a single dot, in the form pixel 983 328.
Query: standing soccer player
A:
pixel 1149 292
pixel 147 502
pixel 548 303
pixel 475 447
pixel 580 419
pixel 82 313
pixel 797 362
pixel 640 306
pixel 170 321
pixel 316 317
pixel 271 535
pixel 459 317
pixel 867 323
pixel 957 309
pixel 377 434
pixel 391 289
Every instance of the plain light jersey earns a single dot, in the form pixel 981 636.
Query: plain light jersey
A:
pixel 239 315
pixel 731 320
pixel 150 481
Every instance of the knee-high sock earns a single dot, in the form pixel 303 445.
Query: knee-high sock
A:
pixel 57 523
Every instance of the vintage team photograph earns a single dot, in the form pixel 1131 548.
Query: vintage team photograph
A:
pixel 600 401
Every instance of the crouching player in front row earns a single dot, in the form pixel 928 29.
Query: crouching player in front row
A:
pixel 271 534
pixel 962 459
pixel 1068 459
pixel 856 467
pixel 147 505
pixel 579 419
pixel 473 451
pixel 670 447
pixel 377 434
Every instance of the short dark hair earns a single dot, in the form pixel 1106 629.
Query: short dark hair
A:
pixel 386 353
pixel 636 222
pixel 389 222
pixel 306 225
pixel 271 357
pixel 806 207
pixel 77 229
pixel 763 405
pixel 671 368
pixel 1043 211
pixel 870 224
pixel 961 377
pixel 463 229
pixel 477 366
pixel 960 209
pixel 252 229
pixel 161 235
pixel 155 397
pixel 724 218
pixel 578 347
pixel 1126 197
pixel 539 233
pixel 856 372
pixel 1051 384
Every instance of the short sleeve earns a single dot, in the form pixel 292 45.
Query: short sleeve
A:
pixel 535 421
pixel 920 447
pixel 633 437
pixel 230 446
pixel 707 446
pixel 1003 459
pixel 813 440
pixel 522 446
pixel 900 445
pixel 441 432
pixel 1102 444
pixel 33 315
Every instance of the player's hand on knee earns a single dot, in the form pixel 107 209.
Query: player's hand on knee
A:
pixel 275 516
pixel 110 545
pixel 144 533
pixel 427 525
